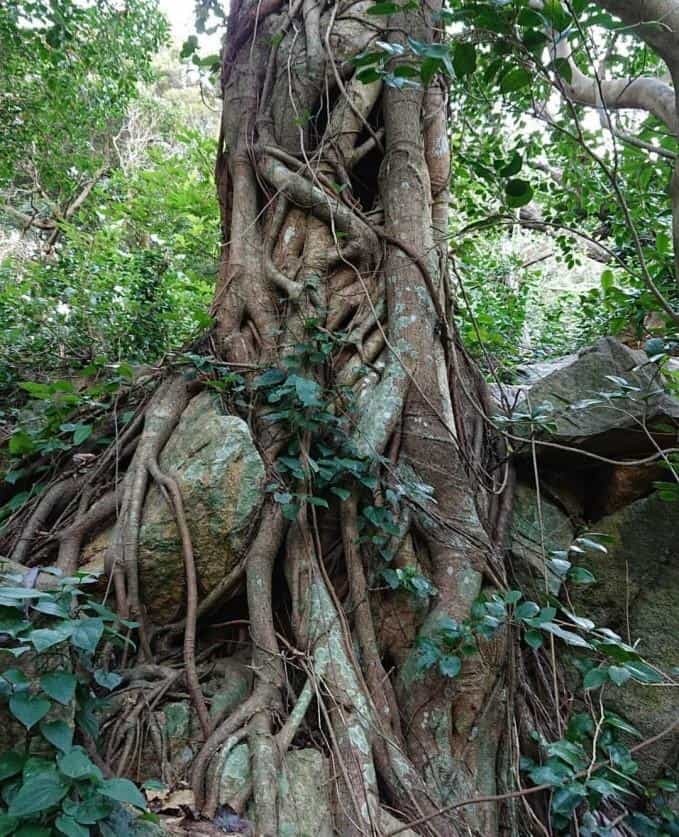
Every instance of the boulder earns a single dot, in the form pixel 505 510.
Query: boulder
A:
pixel 229 685
pixel 636 595
pixel 528 374
pixel 233 772
pixel 529 547
pixel 220 473
pixel 304 795
pixel 304 804
pixel 599 399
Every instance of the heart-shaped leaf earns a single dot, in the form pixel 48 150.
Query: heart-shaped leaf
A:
pixel 28 709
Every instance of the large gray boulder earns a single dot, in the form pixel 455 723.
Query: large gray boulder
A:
pixel 530 544
pixel 637 595
pixel 220 473
pixel 600 399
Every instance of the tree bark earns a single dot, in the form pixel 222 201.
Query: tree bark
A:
pixel 328 184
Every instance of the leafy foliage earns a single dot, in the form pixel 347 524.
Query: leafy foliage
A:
pixel 54 691
pixel 132 279
pixel 68 72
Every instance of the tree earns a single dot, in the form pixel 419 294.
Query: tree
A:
pixel 69 72
pixel 334 306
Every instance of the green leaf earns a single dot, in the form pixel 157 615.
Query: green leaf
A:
pixel 464 59
pixel 406 71
pixel 76 764
pixel 7 825
pixel 619 674
pixel 527 610
pixel 595 678
pixel 317 501
pixel 89 811
pixel 44 638
pixel 59 685
pixel 567 636
pixel 58 733
pixel 28 709
pixel 642 672
pixel 82 433
pixel 563 68
pixel 11 763
pixel 122 790
pixel 550 774
pixel 580 575
pixel 533 638
pixel 592 545
pixel 154 785
pixel 308 391
pixel 565 800
pixel 518 192
pixel 87 633
pixel 70 827
pixel 189 46
pixel 613 720
pixel 32 829
pixel 270 378
pixel 428 69
pixel 570 752
pixel 50 608
pixel 38 793
pixel 22 593
pixel 107 679
pixel 17 678
pixel 515 79
pixel 450 665
pixel 20 443
pixel 513 166
pixel 383 9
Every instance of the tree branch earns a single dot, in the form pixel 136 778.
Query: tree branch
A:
pixel 656 22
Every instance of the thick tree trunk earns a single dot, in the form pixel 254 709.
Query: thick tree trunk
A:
pixel 334 203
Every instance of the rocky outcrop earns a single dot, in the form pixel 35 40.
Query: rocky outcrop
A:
pixel 606 399
pixel 304 804
pixel 637 594
pixel 220 474
pixel 610 400
pixel 531 543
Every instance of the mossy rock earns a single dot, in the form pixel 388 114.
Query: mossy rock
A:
pixel 582 414
pixel 637 595
pixel 530 543
pixel 220 474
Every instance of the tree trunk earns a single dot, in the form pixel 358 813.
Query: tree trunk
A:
pixel 334 197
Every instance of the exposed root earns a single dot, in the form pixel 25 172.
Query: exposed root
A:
pixel 162 414
pixel 170 485
pixel 71 538
pixel 58 493
pixel 239 718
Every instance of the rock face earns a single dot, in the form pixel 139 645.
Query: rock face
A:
pixel 587 408
pixel 304 805
pixel 637 595
pixel 220 474
pixel 529 547
pixel 303 790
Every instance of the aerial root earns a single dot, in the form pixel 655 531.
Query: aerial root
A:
pixel 170 485
pixel 59 492
pixel 161 417
pixel 257 702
